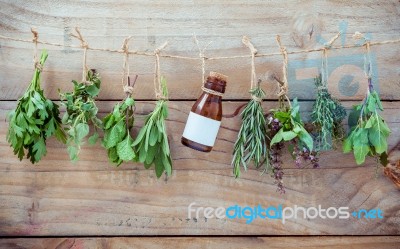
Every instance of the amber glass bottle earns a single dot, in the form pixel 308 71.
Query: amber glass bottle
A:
pixel 205 117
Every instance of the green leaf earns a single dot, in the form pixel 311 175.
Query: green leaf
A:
pixel 129 101
pixel 371 122
pixel 159 166
pixel 377 139
pixel 348 144
pixel 278 137
pixel 39 149
pixel 124 149
pixel 93 139
pixel 82 130
pixel 92 90
pixel 306 138
pixel 288 135
pixel 360 152
pixel 383 159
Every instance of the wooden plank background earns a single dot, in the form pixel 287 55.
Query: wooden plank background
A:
pixel 93 198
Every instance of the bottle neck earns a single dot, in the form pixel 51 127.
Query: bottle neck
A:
pixel 215 85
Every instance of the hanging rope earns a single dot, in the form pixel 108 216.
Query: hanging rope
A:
pixel 324 63
pixel 253 77
pixel 202 58
pixel 283 85
pixel 36 62
pixel 367 58
pixel 84 46
pixel 128 89
pixel 157 74
pixel 142 53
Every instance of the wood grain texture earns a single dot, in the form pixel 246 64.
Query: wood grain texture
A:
pixel 92 198
pixel 320 242
pixel 134 202
pixel 95 157
pixel 105 24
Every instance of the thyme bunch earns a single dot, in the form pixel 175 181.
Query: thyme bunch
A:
pixel 327 116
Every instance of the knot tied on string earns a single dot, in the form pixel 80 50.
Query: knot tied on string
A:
pixel 283 85
pixel 158 91
pixel 203 58
pixel 36 62
pixel 85 47
pixel 128 89
pixel 324 61
pixel 253 76
pixel 365 41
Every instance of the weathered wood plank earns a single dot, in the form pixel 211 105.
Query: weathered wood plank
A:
pixel 320 242
pixel 105 24
pixel 95 157
pixel 134 202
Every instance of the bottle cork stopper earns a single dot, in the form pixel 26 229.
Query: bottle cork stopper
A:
pixel 219 76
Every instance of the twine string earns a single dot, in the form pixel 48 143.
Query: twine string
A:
pixel 157 73
pixel 36 62
pixel 283 85
pixel 128 89
pixel 142 53
pixel 367 58
pixel 324 62
pixel 203 58
pixel 85 47
pixel 253 76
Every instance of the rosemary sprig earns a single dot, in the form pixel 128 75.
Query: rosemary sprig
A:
pixel 327 116
pixel 251 143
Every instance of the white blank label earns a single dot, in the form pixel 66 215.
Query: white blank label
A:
pixel 201 130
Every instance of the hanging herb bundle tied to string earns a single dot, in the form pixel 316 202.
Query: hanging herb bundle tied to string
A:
pixel 81 109
pixel 327 113
pixel 35 119
pixel 368 130
pixel 285 126
pixel 118 124
pixel 251 143
pixel 151 144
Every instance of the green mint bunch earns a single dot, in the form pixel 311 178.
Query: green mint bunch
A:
pixel 117 137
pixel 291 126
pixel 35 119
pixel 251 143
pixel 369 131
pixel 81 111
pixel 327 116
pixel 151 144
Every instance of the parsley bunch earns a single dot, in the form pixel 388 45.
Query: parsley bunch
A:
pixel 35 119
pixel 81 110
pixel 117 138
pixel 327 115
pixel 151 144
pixel 369 131
pixel 251 143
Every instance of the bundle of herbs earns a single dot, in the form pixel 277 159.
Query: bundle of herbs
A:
pixel 251 143
pixel 117 131
pixel 327 116
pixel 35 119
pixel 368 130
pixel 285 127
pixel 151 144
pixel 81 111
